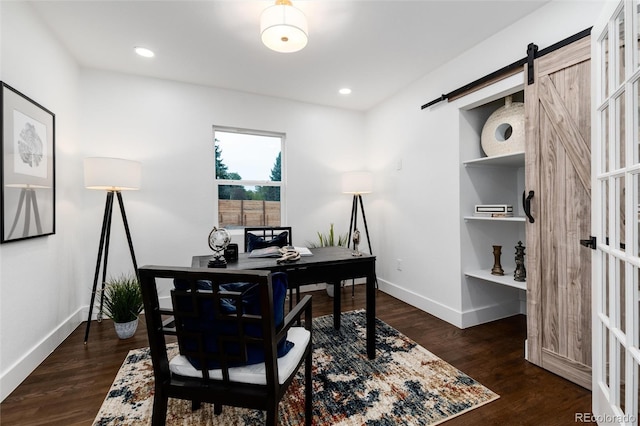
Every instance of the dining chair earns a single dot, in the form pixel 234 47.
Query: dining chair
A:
pixel 236 345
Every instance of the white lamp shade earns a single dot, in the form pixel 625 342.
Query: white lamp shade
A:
pixel 357 183
pixel 112 174
pixel 283 28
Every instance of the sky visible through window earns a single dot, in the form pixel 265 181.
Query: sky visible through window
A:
pixel 251 156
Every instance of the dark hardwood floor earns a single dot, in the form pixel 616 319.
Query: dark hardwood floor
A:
pixel 69 387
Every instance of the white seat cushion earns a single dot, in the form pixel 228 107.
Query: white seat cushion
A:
pixel 255 373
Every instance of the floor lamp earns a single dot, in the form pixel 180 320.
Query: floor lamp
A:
pixel 357 183
pixel 112 175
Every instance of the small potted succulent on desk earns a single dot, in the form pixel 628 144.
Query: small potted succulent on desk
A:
pixel 123 303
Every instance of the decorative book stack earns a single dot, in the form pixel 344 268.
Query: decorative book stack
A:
pixel 493 210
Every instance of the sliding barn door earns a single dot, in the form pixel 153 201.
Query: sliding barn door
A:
pixel 616 293
pixel 558 171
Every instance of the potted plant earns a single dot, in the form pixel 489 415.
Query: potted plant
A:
pixel 122 300
pixel 330 239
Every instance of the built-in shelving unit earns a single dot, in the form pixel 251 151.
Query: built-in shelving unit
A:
pixel 515 159
pixel 489 180
pixel 497 219
pixel 506 279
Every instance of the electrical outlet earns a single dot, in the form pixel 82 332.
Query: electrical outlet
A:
pixel 399 264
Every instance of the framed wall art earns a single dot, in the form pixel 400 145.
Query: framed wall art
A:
pixel 27 177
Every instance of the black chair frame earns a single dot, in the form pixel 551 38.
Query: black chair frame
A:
pixel 266 232
pixel 269 232
pixel 165 322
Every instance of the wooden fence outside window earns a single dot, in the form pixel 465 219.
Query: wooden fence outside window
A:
pixel 233 213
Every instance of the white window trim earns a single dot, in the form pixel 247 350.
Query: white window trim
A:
pixel 283 170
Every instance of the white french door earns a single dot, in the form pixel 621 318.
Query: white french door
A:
pixel 615 213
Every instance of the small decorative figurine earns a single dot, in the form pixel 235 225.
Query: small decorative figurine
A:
pixel 356 241
pixel 520 273
pixel 219 239
pixel 497 267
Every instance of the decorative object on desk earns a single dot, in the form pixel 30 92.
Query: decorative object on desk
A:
pixel 112 175
pixel 356 241
pixel 123 303
pixel 219 239
pixel 497 267
pixel 520 273
pixel 289 254
pixel 28 168
pixel 503 133
pixel 231 252
pixel 361 391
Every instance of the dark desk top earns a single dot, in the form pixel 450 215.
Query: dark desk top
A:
pixel 321 256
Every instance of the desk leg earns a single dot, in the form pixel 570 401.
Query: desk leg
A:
pixel 371 316
pixel 337 292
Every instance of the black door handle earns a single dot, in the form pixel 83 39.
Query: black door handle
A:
pixel 526 204
pixel 590 242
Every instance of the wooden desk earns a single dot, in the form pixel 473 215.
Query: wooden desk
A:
pixel 328 264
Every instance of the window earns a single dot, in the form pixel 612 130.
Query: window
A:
pixel 249 177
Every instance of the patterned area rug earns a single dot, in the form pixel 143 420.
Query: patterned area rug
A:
pixel 404 385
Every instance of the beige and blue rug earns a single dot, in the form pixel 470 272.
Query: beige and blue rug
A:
pixel 404 385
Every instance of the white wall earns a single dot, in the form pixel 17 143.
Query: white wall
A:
pixel 167 126
pixel 415 211
pixel 46 282
pixel 413 215
pixel 39 294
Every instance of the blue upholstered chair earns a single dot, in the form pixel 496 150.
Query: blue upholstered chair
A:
pixel 236 346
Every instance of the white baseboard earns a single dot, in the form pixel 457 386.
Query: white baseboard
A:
pixel 490 313
pixel 20 370
pixel 446 313
pixel 437 309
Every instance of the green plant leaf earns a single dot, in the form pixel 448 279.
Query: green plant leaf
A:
pixel 122 298
pixel 329 239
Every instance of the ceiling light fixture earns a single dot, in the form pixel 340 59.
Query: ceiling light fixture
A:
pixel 143 51
pixel 345 91
pixel 283 27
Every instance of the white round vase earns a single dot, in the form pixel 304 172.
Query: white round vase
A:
pixel 503 133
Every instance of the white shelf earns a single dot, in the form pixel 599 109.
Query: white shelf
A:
pixel 515 159
pixel 506 279
pixel 498 219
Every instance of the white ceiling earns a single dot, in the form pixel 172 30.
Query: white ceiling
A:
pixel 374 47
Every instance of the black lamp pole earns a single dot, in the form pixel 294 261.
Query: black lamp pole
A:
pixel 104 248
pixel 353 224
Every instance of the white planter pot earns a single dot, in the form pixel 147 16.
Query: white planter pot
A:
pixel 330 289
pixel 124 330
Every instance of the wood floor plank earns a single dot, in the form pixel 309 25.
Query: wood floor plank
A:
pixel 69 387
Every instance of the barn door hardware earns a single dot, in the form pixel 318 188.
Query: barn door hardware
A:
pixel 532 54
pixel 526 205
pixel 590 242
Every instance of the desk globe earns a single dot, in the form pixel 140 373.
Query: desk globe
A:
pixel 219 239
